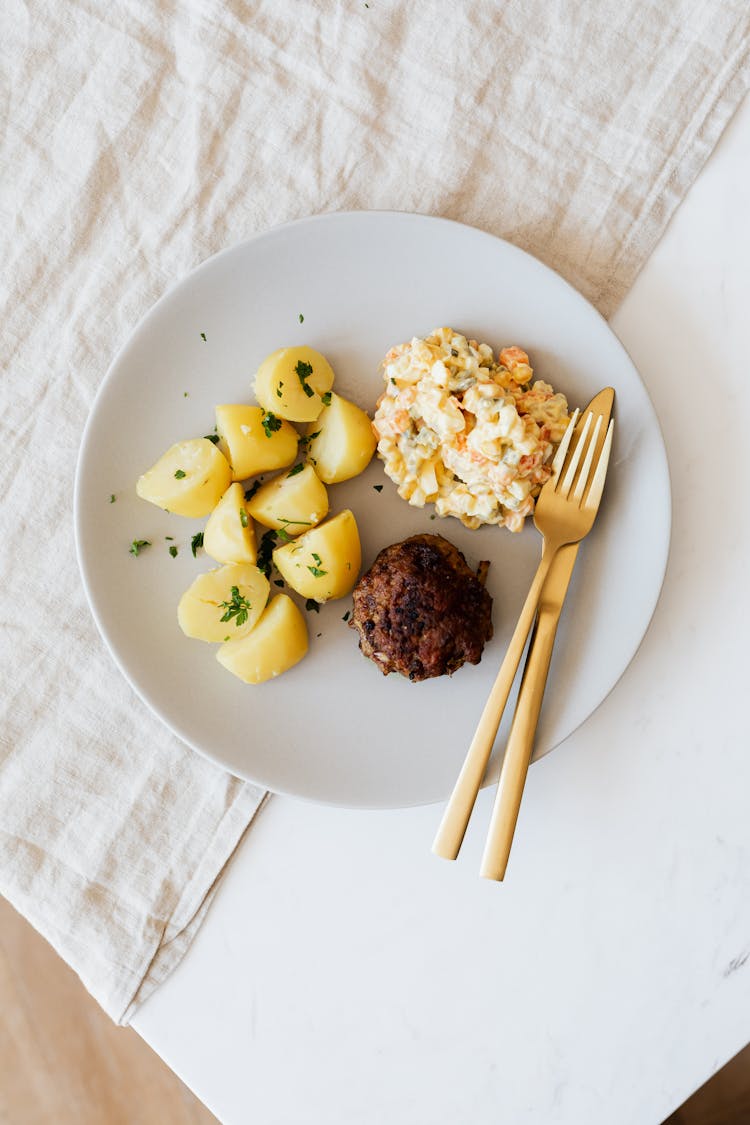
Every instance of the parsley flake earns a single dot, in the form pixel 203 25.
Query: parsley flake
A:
pixel 112 498
pixel 304 442
pixel 238 608
pixel 312 606
pixel 169 538
pixel 315 570
pixel 203 337
pixel 179 474
pixel 301 319
pixel 326 398
pixel 304 371
pixel 346 615
pixel 297 469
pixel 196 542
pixel 139 545
pixel 212 437
pixel 173 551
pixel 265 552
pixel 378 487
pixel 270 423
pixel 243 517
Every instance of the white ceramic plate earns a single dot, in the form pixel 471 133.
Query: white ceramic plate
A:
pixel 334 729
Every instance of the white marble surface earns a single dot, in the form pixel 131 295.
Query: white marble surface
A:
pixel 346 975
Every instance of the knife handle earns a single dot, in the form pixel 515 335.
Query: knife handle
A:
pixel 520 744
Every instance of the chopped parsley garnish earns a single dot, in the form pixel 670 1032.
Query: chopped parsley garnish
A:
pixel 284 534
pixel 227 638
pixel 278 392
pixel 318 634
pixel 301 318
pixel 394 381
pixel 173 551
pixel 139 545
pixel 312 606
pixel 185 394
pixel 378 487
pixel 315 570
pixel 203 337
pixel 304 371
pixel 326 398
pixel 278 581
pixel 265 552
pixel 304 442
pixel 346 615
pixel 243 517
pixel 297 469
pixel 169 538
pixel 212 437
pixel 238 608
pixel 112 498
pixel 270 423
pixel 433 516
pixel 196 542
pixel 250 492
pixel 179 474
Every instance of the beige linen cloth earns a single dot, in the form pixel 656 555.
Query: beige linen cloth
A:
pixel 138 138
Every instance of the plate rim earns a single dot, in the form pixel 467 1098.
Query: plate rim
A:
pixel 154 310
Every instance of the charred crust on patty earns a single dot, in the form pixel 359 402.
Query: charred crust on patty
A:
pixel 420 610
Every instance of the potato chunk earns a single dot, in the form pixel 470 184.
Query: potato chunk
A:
pixel 291 502
pixel 324 562
pixel 188 479
pixel 254 441
pixel 344 441
pixel 224 603
pixel 229 535
pixel 277 642
pixel 291 381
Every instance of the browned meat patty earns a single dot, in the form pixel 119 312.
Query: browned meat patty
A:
pixel 420 610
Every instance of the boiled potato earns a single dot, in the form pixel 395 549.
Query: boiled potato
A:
pixel 324 562
pixel 253 440
pixel 343 441
pixel 277 642
pixel 237 592
pixel 291 381
pixel 189 479
pixel 229 535
pixel 291 502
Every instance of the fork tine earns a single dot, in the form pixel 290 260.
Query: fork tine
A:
pixel 583 476
pixel 575 458
pixel 562 449
pixel 597 484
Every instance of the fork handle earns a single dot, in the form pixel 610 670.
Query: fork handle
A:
pixel 450 834
pixel 519 747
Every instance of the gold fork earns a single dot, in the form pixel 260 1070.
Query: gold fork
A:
pixel 565 512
